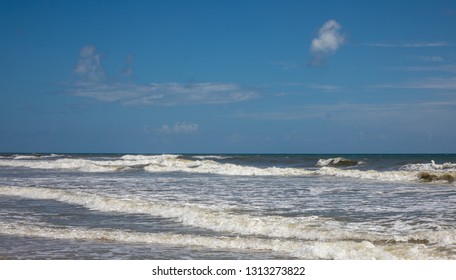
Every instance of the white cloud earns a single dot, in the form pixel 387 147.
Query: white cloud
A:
pixel 426 83
pixel 89 65
pixel 351 111
pixel 162 94
pixel 409 45
pixel 194 93
pixel 433 68
pixel 93 82
pixel 179 128
pixel 328 41
pixel 427 58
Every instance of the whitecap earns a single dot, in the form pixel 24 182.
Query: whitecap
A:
pixel 338 161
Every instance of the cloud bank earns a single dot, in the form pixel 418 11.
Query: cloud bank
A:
pixel 328 41
pixel 92 81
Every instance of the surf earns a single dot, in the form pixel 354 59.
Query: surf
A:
pixel 208 164
pixel 219 220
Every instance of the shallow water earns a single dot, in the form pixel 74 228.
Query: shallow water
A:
pixel 227 207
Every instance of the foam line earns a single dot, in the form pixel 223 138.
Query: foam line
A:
pixel 305 250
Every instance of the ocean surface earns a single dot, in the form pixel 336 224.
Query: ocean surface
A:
pixel 121 206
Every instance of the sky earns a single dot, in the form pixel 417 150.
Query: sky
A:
pixel 228 76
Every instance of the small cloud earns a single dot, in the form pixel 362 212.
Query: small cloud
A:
pixel 409 45
pixel 431 68
pixel 88 66
pixel 424 44
pixel 328 41
pixel 426 83
pixel 427 58
pixel 179 128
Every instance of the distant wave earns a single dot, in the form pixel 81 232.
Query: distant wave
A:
pixel 338 161
pixel 36 156
pixel 432 166
pixel 213 167
pixel 211 157
pixel 156 163
pixel 176 163
pixel 66 163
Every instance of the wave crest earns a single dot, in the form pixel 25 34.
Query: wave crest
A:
pixel 342 249
pixel 205 165
pixel 430 167
pixel 338 161
pixel 304 237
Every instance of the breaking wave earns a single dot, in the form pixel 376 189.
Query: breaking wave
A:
pixel 160 163
pixel 391 176
pixel 435 176
pixel 304 237
pixel 212 167
pixel 205 165
pixel 308 228
pixel 211 157
pixel 36 156
pixel 430 172
pixel 430 167
pixel 298 249
pixel 338 161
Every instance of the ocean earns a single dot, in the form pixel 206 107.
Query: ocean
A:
pixel 189 206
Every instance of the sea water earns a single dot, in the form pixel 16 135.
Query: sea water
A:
pixel 119 206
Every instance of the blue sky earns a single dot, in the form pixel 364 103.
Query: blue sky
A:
pixel 228 76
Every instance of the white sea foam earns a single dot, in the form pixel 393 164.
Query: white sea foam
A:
pixel 155 163
pixel 66 163
pixel 309 228
pixel 211 157
pixel 26 157
pixel 342 249
pixel 149 157
pixel 393 176
pixel 432 166
pixel 212 167
pixel 429 172
pixel 37 156
pixel 176 163
pixel 85 164
pixel 307 237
